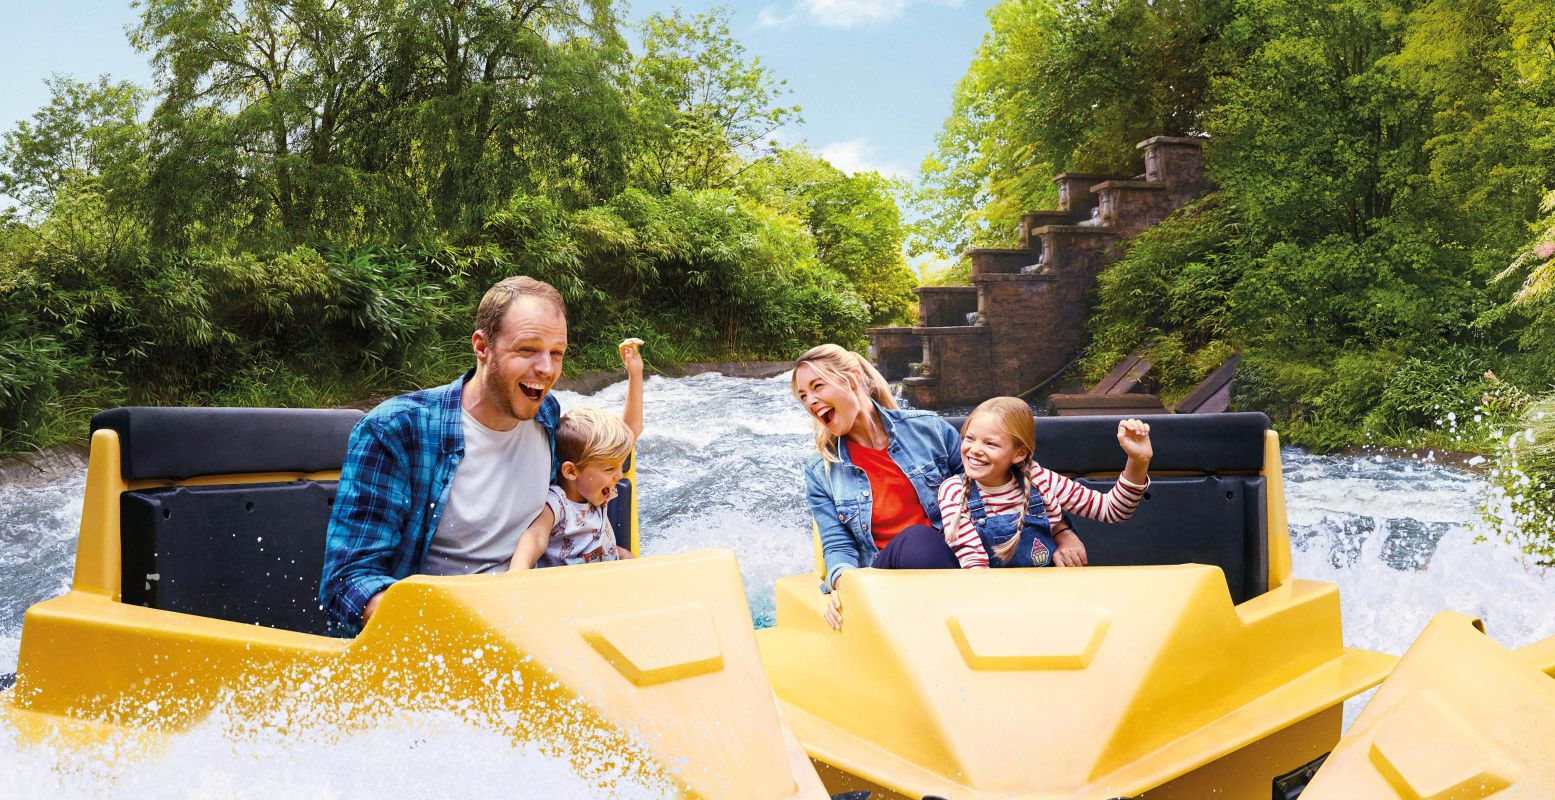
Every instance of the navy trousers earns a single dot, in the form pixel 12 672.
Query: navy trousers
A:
pixel 917 547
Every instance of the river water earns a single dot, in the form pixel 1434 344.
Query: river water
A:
pixel 721 466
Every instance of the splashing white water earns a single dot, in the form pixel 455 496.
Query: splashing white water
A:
pixel 721 464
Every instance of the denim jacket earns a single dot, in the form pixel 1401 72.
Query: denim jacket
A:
pixel 922 443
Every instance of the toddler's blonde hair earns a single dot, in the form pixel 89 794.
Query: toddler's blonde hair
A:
pixel 590 436
pixel 840 366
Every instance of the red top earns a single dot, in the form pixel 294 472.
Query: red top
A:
pixel 896 505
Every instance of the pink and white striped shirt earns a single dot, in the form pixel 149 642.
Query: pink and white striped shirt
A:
pixel 1058 495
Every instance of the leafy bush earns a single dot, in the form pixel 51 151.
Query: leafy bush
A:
pixel 1520 507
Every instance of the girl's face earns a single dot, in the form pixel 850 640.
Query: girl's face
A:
pixel 837 407
pixel 988 452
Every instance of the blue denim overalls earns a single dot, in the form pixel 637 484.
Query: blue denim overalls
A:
pixel 1036 546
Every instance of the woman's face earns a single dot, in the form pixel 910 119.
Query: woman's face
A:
pixel 987 452
pixel 837 407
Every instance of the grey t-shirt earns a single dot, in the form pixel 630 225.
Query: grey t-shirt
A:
pixel 499 488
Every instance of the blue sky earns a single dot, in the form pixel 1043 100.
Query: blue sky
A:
pixel 874 78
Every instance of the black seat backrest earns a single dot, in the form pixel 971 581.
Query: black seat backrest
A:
pixel 244 552
pixel 1206 505
pixel 241 552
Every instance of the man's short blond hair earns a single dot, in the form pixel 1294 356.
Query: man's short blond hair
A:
pixel 495 303
pixel 590 436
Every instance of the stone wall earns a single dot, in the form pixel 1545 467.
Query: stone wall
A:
pixel 1033 301
pixel 957 362
pixel 941 306
pixel 894 351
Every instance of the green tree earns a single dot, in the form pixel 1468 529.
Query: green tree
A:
pixel 702 110
pixel 854 220
pixel 88 132
pixel 1064 85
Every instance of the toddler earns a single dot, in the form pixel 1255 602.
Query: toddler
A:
pixel 592 447
pixel 1008 511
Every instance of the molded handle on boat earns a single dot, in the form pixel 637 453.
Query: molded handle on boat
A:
pixel 658 646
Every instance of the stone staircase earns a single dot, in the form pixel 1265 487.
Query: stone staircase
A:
pixel 1023 319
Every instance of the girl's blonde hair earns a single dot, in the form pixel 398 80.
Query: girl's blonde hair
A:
pixel 587 436
pixel 840 366
pixel 1014 418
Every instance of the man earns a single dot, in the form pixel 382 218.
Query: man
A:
pixel 443 481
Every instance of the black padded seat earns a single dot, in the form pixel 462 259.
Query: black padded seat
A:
pixel 619 512
pixel 242 552
pixel 250 553
pixel 1215 515
pixel 179 443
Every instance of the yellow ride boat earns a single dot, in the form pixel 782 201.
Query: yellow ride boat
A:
pixel 1460 718
pixel 196 584
pixel 1186 662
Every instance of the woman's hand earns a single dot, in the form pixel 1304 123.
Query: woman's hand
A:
pixel 833 610
pixel 1071 551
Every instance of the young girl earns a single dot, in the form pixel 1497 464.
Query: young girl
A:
pixel 592 447
pixel 1008 511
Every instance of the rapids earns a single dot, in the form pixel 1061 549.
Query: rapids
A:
pixel 721 466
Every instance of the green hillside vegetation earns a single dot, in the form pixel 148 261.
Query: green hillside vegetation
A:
pixel 1380 163
pixel 309 202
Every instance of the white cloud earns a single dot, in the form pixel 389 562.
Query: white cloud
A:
pixel 858 155
pixel 851 13
pixel 771 17
pixel 841 13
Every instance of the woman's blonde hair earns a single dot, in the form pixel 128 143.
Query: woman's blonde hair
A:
pixel 587 436
pixel 840 366
pixel 1014 418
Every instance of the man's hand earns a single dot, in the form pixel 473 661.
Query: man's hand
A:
pixel 1071 551
pixel 622 552
pixel 631 359
pixel 1134 438
pixel 372 606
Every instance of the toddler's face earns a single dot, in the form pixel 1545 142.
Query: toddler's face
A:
pixel 987 452
pixel 596 481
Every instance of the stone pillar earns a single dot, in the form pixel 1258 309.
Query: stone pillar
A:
pixel 1022 312
pixel 1074 190
pixel 894 350
pixel 1177 163
pixel 1002 260
pixel 942 306
pixel 956 367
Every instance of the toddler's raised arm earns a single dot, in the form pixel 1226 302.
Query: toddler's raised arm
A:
pixel 632 361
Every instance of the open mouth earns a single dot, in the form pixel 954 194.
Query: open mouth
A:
pixel 533 391
pixel 826 415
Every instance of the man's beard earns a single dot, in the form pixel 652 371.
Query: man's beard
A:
pixel 500 389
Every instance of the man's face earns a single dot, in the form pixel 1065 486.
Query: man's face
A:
pixel 522 362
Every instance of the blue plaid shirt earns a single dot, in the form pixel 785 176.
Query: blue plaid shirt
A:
pixel 398 470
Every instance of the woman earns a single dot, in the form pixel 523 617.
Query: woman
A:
pixel 872 481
